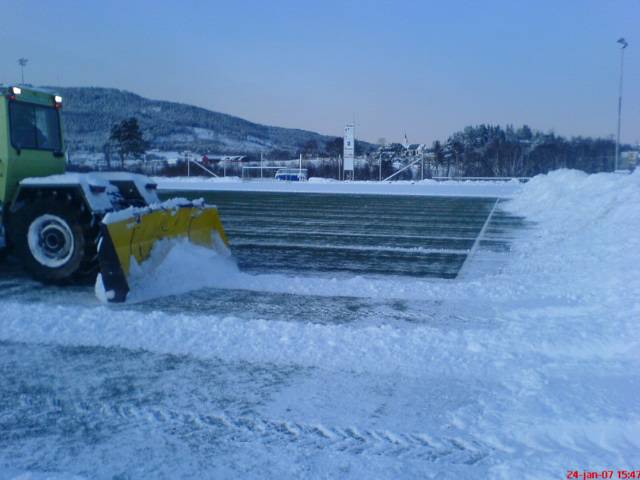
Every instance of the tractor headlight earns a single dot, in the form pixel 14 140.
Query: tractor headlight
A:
pixel 16 90
pixel 57 99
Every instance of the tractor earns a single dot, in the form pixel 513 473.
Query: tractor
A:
pixel 74 227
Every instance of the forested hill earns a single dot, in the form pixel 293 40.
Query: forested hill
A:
pixel 90 112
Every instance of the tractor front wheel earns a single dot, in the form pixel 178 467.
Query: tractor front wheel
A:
pixel 50 241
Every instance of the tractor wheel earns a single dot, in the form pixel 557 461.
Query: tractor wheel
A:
pixel 53 242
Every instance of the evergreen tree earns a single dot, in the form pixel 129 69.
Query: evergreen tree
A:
pixel 310 147
pixel 128 140
pixel 335 147
pixel 438 157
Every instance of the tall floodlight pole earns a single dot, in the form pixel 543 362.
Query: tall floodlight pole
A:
pixel 623 44
pixel 23 63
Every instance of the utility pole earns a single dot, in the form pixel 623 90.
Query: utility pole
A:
pixel 381 142
pixel 623 44
pixel 260 165
pixel 23 63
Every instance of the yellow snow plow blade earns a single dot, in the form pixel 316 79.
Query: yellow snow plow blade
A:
pixel 129 236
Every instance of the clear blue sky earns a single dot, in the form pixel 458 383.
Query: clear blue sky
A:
pixel 427 68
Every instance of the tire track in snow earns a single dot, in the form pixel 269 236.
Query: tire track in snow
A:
pixel 349 439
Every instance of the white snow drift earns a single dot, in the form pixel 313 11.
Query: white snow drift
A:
pixel 493 189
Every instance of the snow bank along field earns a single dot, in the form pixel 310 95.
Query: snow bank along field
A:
pixel 329 185
pixel 492 335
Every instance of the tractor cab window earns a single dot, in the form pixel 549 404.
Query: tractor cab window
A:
pixel 35 127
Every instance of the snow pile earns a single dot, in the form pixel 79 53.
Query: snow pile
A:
pixel 178 266
pixel 175 266
pixel 573 277
pixel 587 239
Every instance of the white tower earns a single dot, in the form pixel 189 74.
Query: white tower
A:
pixel 349 148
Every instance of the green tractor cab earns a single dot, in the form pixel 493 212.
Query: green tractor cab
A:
pixel 30 138
pixel 67 227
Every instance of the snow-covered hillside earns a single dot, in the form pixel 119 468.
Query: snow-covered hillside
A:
pixel 526 372
pixel 90 113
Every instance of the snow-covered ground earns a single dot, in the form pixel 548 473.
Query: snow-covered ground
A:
pixel 523 372
pixel 492 189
